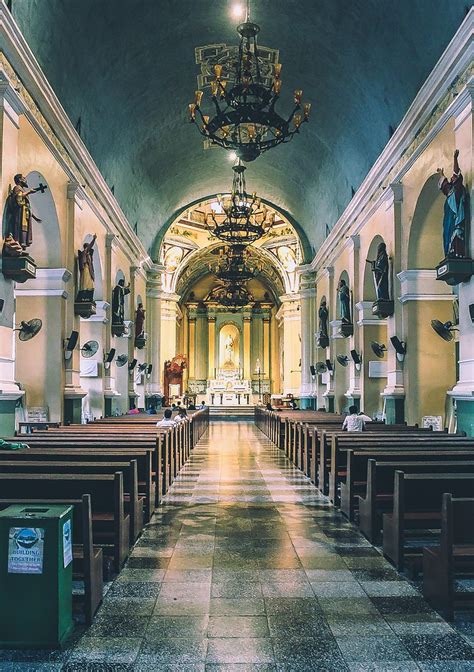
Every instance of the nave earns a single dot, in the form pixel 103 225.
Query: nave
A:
pixel 245 567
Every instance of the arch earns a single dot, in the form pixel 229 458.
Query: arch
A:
pixel 425 246
pixel 307 250
pixel 369 293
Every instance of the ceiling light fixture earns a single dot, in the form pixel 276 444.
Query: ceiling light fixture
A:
pixel 243 219
pixel 245 119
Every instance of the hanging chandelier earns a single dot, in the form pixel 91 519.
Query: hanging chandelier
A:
pixel 234 264
pixel 234 295
pixel 245 119
pixel 242 218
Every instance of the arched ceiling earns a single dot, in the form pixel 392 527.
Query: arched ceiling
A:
pixel 126 68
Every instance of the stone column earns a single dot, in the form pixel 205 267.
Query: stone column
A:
pixel 201 358
pixel 153 305
pixel 353 393
pixel 431 372
pixel 308 328
pixel 329 393
pixel 192 317
pixel 267 316
pixel 211 337
pixel 11 108
pixel 170 319
pixel 247 326
pixel 73 392
pixel 289 318
pixel 463 392
pixel 110 390
pixel 394 392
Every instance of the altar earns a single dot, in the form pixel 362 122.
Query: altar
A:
pixel 228 388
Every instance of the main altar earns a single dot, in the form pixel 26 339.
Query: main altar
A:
pixel 229 388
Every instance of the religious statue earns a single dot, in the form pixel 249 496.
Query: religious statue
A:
pixel 323 314
pixel 19 216
pixel 118 295
pixel 344 302
pixel 380 272
pixel 229 349
pixel 139 321
pixel 86 272
pixel 454 239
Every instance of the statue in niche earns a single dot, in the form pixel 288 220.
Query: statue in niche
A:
pixel 118 296
pixel 323 314
pixel 454 239
pixel 139 321
pixel 229 349
pixel 19 216
pixel 380 272
pixel 86 272
pixel 344 302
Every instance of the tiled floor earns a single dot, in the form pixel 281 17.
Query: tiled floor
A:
pixel 246 567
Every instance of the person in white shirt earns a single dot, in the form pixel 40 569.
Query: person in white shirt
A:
pixel 166 420
pixel 364 417
pixel 353 422
pixel 181 415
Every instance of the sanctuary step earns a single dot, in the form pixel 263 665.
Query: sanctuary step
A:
pixel 231 412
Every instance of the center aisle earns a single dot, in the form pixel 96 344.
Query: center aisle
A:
pixel 247 567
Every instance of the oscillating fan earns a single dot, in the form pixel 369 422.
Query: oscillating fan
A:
pixel 321 367
pixel 89 349
pixel 342 359
pixel 121 360
pixel 28 330
pixel 443 329
pixel 378 349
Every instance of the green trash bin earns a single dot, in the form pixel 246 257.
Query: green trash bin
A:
pixel 35 575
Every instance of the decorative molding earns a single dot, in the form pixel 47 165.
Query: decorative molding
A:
pixel 365 316
pixel 422 285
pixel 48 282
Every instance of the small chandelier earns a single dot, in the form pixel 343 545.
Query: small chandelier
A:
pixel 234 264
pixel 234 295
pixel 245 119
pixel 243 219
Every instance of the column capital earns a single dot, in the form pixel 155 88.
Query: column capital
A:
pixel 192 311
pixel 111 241
pixel 75 192
pixel 327 272
pixel 354 241
pixel 396 192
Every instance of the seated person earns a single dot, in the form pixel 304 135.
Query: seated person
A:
pixel 293 405
pixel 203 404
pixel 151 410
pixel 133 411
pixel 269 407
pixel 181 415
pixel 364 417
pixel 353 422
pixel 191 407
pixel 167 420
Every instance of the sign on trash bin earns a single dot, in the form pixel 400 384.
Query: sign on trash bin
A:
pixel 25 550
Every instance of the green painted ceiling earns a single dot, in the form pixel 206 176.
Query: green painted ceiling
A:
pixel 127 69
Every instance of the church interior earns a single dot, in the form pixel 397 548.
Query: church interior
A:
pixel 236 335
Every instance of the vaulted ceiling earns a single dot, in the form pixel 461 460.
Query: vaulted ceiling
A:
pixel 127 69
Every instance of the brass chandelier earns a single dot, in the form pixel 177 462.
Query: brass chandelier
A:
pixel 234 264
pixel 243 219
pixel 245 119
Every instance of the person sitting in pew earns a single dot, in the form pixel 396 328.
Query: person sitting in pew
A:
pixel 181 415
pixel 364 417
pixel 151 410
pixel 167 419
pixel 353 422
pixel 203 404
pixel 133 411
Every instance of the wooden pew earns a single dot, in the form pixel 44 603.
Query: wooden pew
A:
pixel 381 469
pixel 143 458
pixel 87 558
pixel 341 443
pixel 417 513
pixel 452 559
pixel 111 526
pixel 130 480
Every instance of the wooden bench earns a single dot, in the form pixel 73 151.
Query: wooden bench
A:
pixel 111 526
pixel 381 469
pixel 340 444
pixel 133 502
pixel 452 559
pixel 416 513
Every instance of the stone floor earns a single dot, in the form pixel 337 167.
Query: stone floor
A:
pixel 248 568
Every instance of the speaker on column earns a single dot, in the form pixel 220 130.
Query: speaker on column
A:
pixel 312 370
